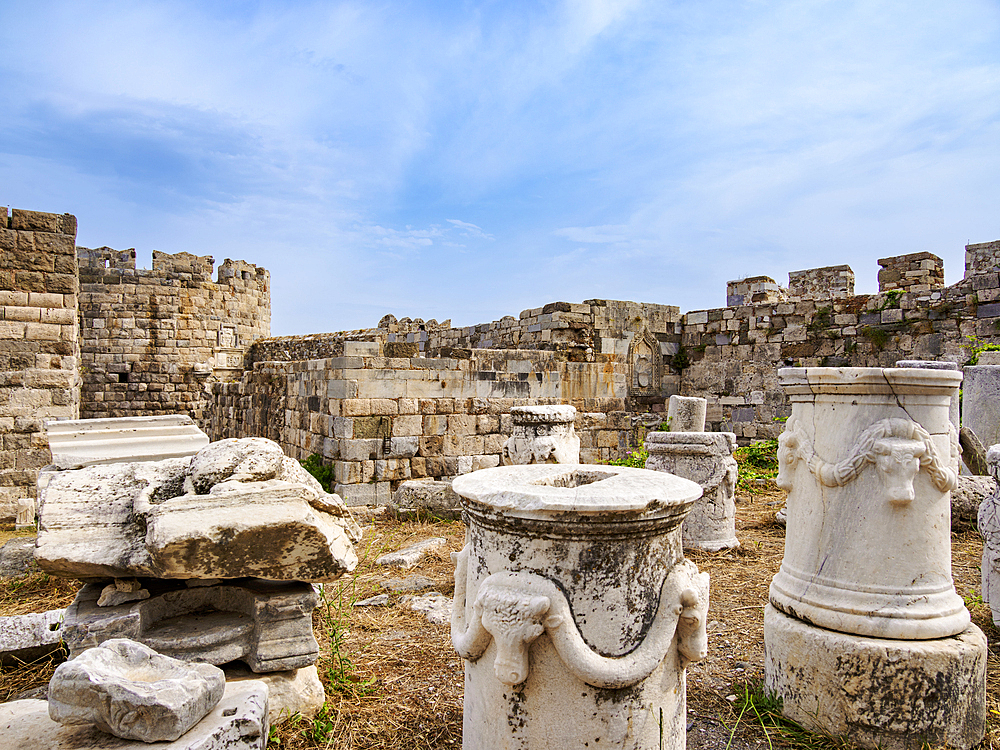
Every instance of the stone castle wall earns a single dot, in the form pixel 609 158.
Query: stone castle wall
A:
pixel 414 398
pixel 381 420
pixel 152 341
pixel 39 351
pixel 733 353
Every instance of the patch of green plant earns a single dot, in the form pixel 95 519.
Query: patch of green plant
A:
pixel 877 336
pixel 634 458
pixel 755 704
pixel 758 464
pixel 680 360
pixel 822 319
pixel 977 346
pixel 334 610
pixel 322 472
pixel 892 298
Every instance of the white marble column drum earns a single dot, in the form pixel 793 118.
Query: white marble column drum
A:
pixel 575 611
pixel 705 458
pixel 865 636
pixel 869 457
pixel 687 413
pixel 542 435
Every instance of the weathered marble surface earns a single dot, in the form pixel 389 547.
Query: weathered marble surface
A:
pixel 989 528
pixel 238 722
pixel 24 638
pixel 412 555
pixel 981 400
pixel 140 519
pixel 923 364
pixel 128 690
pixel 266 624
pixel 76 443
pixel 291 691
pixel 869 457
pixel 705 458
pixel 17 557
pixel 880 693
pixel 417 498
pixel 572 600
pixel 542 435
pixel 687 413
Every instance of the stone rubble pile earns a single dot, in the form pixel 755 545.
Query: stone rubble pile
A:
pixel 209 558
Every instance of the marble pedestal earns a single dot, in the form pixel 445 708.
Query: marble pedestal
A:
pixel 542 435
pixel 705 458
pixel 882 693
pixel 574 609
pixel 869 458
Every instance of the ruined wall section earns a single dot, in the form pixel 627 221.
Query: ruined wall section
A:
pixel 381 420
pixel 733 353
pixel 38 344
pixel 153 341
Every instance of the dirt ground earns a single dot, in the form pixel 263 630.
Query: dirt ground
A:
pixel 393 679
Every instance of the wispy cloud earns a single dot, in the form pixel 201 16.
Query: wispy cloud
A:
pixel 631 148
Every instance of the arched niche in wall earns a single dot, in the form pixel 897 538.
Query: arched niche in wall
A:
pixel 645 365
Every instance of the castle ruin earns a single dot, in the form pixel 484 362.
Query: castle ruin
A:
pixel 86 334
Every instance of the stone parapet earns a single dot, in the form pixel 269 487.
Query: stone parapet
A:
pixel 39 347
pixel 152 339
pixel 916 272
pixel 831 282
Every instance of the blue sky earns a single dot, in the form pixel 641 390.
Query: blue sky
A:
pixel 468 160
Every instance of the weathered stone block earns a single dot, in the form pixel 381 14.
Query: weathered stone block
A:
pixel 128 690
pixel 879 693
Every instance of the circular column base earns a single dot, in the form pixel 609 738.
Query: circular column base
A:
pixel 879 693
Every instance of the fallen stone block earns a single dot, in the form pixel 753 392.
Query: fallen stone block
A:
pixel 290 692
pixel 266 624
pixel 76 443
pixel 412 556
pixel 436 607
pixel 966 499
pixel 26 638
pixel 139 519
pixel 17 557
pixel 379 600
pixel 420 498
pixel 128 690
pixel 410 583
pixel 238 722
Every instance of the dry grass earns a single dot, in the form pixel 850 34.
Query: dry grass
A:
pixel 401 684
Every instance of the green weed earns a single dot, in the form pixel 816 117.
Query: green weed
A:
pixel 977 346
pixel 322 472
pixel 757 461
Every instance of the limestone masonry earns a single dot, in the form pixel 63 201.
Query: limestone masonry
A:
pixel 87 334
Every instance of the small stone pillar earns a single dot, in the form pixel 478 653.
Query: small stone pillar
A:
pixel 865 636
pixel 575 611
pixel 542 435
pixel 687 413
pixel 989 527
pixel 705 458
